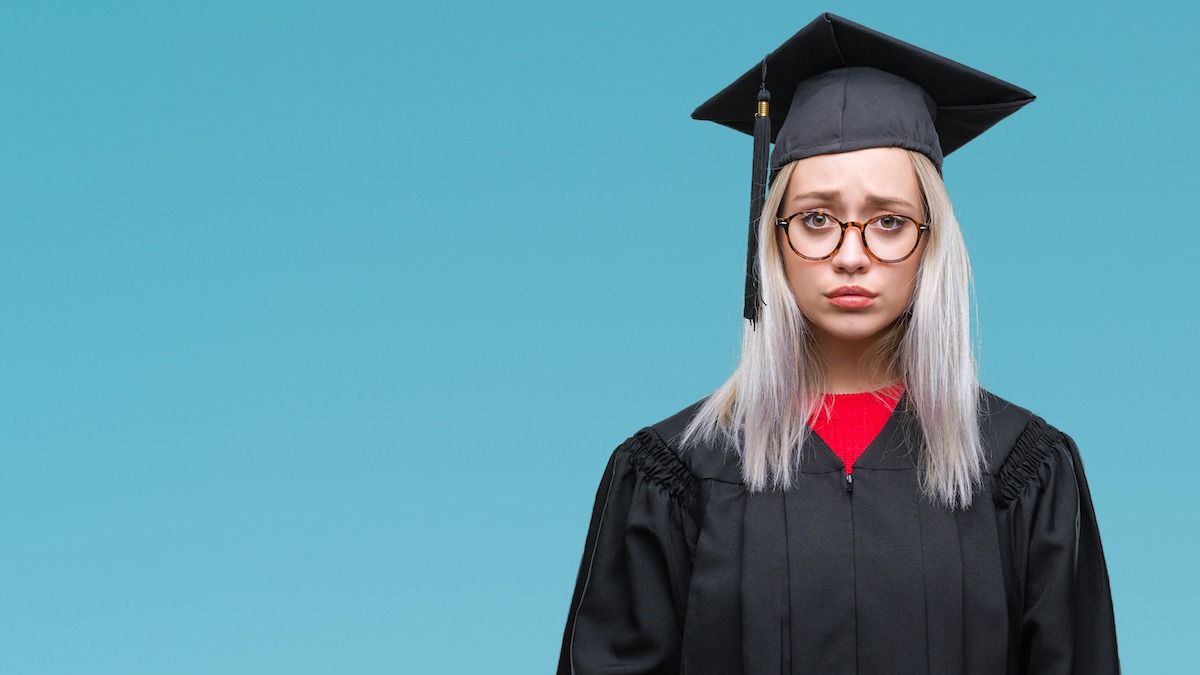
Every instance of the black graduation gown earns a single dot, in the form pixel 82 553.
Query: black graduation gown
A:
pixel 685 571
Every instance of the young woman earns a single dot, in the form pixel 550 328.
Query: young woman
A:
pixel 851 500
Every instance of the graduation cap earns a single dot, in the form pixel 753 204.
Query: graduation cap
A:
pixel 850 88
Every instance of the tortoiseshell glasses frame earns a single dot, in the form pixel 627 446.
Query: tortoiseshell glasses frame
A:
pixel 922 228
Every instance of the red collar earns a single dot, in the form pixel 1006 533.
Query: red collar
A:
pixel 849 422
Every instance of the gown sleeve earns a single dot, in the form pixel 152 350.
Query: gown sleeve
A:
pixel 627 610
pixel 1066 622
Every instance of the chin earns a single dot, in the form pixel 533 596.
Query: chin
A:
pixel 853 335
pixel 852 328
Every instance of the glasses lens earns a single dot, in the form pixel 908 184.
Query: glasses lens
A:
pixel 892 237
pixel 814 235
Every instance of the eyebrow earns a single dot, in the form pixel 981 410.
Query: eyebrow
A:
pixel 873 200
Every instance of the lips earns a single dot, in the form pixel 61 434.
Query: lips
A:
pixel 851 290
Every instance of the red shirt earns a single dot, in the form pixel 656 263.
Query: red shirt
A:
pixel 849 422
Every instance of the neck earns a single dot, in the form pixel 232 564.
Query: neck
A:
pixel 847 367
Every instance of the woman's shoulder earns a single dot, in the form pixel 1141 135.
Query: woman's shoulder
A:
pixel 1024 448
pixel 657 450
pixel 1001 423
pixel 703 460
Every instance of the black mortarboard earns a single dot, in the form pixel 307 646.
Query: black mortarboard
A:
pixel 832 71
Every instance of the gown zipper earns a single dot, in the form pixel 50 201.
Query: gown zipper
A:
pixel 849 483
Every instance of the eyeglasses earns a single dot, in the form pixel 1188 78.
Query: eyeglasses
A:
pixel 816 235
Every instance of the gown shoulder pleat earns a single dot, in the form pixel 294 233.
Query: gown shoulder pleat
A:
pixel 1031 459
pixel 630 598
pixel 658 464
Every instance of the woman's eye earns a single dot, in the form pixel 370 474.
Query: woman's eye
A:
pixel 816 219
pixel 891 222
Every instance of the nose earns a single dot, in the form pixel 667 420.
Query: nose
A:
pixel 852 254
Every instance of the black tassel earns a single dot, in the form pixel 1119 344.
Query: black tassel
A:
pixel 758 195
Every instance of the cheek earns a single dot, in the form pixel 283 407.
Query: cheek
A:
pixel 905 274
pixel 806 283
pixel 801 275
pixel 905 281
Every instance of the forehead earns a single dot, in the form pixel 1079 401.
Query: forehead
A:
pixel 886 172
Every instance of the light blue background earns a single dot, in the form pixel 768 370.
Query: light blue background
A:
pixel 321 319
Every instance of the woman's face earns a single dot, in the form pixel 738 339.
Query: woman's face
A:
pixel 852 186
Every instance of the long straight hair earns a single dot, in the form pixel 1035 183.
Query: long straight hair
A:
pixel 761 411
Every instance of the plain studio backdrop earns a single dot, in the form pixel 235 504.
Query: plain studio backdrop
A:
pixel 321 319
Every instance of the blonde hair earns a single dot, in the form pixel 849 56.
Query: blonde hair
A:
pixel 761 411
